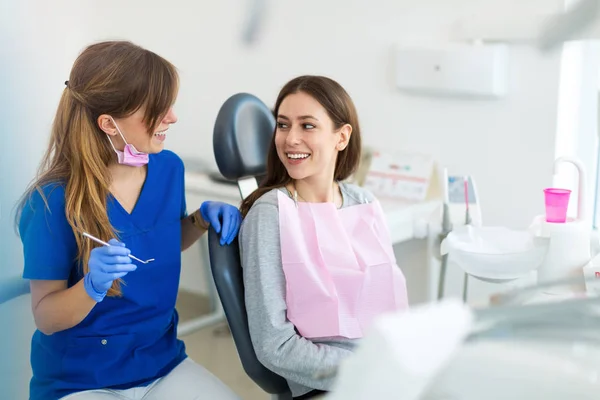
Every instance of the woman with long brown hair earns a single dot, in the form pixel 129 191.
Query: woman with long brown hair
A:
pixel 106 318
pixel 316 252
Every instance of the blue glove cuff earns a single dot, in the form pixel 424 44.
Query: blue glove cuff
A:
pixel 91 291
pixel 203 210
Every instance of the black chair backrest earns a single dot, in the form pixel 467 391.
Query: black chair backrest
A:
pixel 242 133
pixel 241 137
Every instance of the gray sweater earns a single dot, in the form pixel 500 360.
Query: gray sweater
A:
pixel 276 342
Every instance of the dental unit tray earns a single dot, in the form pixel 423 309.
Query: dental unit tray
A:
pixel 568 320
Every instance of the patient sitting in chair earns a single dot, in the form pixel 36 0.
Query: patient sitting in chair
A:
pixel 316 252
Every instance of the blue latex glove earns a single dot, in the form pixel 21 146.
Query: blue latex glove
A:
pixel 106 264
pixel 224 218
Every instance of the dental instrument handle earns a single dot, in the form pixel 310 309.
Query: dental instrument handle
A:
pixel 95 239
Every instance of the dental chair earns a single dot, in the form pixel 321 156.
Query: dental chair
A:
pixel 242 133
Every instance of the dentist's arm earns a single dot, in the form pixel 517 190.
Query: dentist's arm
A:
pixel 192 228
pixel 56 307
pixel 275 341
pixel 225 218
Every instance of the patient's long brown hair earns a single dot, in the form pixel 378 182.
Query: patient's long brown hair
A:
pixel 115 78
pixel 340 108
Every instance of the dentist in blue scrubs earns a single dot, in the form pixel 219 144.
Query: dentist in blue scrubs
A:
pixel 107 324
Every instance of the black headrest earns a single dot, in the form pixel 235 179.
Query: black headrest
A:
pixel 241 138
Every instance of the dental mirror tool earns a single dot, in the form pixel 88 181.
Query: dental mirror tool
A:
pixel 95 239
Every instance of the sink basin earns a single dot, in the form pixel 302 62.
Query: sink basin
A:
pixel 495 254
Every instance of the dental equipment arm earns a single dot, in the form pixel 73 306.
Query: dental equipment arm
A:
pixel 581 21
pixel 256 14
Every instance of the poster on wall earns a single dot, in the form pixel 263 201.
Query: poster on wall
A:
pixel 406 176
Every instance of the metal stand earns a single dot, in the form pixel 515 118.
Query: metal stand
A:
pixel 446 229
pixel 468 221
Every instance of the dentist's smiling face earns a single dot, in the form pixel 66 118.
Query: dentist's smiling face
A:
pixel 306 141
pixel 135 131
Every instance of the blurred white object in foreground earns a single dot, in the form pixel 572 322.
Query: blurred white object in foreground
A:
pixel 402 352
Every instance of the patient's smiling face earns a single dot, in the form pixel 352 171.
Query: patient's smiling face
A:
pixel 306 139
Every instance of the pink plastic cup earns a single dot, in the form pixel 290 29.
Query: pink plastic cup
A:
pixel 557 203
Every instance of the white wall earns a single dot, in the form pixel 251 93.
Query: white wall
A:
pixel 508 145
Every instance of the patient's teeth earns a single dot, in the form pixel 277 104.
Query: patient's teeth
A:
pixel 298 155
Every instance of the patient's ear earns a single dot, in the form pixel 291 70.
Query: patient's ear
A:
pixel 345 134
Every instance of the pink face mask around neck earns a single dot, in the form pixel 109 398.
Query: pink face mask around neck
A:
pixel 130 155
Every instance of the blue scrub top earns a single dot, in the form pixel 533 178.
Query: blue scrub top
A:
pixel 125 341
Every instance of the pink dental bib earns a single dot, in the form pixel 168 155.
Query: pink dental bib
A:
pixel 339 266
